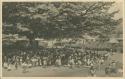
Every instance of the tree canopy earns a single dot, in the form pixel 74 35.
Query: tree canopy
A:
pixel 50 20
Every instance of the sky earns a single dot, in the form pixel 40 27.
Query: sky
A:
pixel 118 6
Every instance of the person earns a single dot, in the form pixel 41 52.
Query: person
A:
pixel 9 67
pixel 29 64
pixel 16 65
pixel 101 60
pixel 108 70
pixel 5 65
pixel 9 64
pixel 58 61
pixel 34 60
pixel 79 62
pixel 120 70
pixel 16 62
pixel 24 66
pixel 79 58
pixel 4 60
pixel 44 62
pixel 20 60
pixel 85 60
pixel 106 56
pixel 88 62
pixel 71 62
pixel 38 60
pixel 113 67
pixel 92 71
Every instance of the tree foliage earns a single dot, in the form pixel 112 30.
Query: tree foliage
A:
pixel 52 20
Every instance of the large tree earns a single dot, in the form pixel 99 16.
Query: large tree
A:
pixel 52 20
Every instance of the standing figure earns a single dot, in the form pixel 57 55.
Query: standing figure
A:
pixel 9 64
pixel 92 71
pixel 108 70
pixel 58 61
pixel 24 67
pixel 44 62
pixel 71 62
pixel 16 62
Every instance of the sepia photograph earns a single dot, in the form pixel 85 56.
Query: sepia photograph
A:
pixel 62 39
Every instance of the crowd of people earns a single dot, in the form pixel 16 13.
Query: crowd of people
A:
pixel 59 57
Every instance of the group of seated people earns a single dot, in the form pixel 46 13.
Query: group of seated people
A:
pixel 56 57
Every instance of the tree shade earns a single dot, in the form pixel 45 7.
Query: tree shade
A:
pixel 57 20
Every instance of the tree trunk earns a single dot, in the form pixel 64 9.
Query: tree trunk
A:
pixel 33 43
